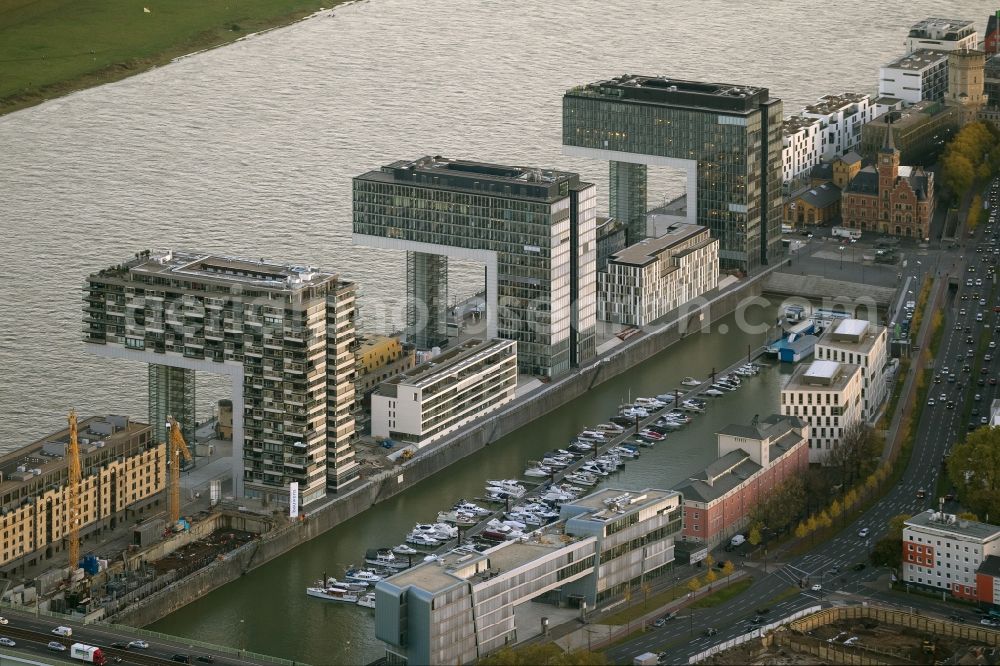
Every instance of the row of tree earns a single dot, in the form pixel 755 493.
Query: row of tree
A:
pixel 972 155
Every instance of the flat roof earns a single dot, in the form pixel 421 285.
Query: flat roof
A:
pixel 667 91
pixel 793 124
pixel 636 499
pixel 182 265
pixel 648 250
pixel 828 104
pixel 947 522
pixel 857 335
pixel 822 377
pixel 450 361
pixel 919 59
pixel 942 28
pixel 518 182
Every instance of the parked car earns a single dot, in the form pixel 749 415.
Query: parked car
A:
pixel 7 642
pixel 863 532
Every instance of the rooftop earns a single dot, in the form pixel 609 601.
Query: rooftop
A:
pixel 597 503
pixel 521 182
pixel 662 90
pixel 218 269
pixel 822 376
pixel 919 60
pixel 942 28
pixel 990 566
pixel 449 362
pixel 947 522
pixel 857 335
pixel 649 250
pixel 820 196
pixel 770 427
pixel 828 104
pixel 793 124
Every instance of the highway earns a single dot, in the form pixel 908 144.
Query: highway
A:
pixel 836 564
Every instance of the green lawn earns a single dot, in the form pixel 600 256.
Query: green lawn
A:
pixel 51 47
pixel 723 595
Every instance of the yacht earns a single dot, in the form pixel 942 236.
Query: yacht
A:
pixel 403 549
pixel 713 393
pixel 622 421
pixel 723 387
pixel 691 381
pixel 368 601
pixel 612 428
pixel 581 479
pixel 383 557
pixel 625 452
pixel 343 584
pixel 471 507
pixel 592 435
pixel 457 517
pixel 635 412
pixel 581 446
pixel 511 487
pixel 556 463
pixel 651 434
pixel 333 594
pixel 647 403
pixel 362 576
pixel 667 398
pixel 538 471
pixel 418 539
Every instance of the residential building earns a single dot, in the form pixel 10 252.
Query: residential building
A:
pixel 819 205
pixel 378 357
pixel 966 83
pixel 884 104
pixel 647 280
pixel 865 344
pixel 942 35
pixel 919 132
pixel 944 552
pixel 827 396
pixel 915 77
pixel 988 581
pixel 465 605
pixel 610 239
pixel 124 471
pixel 991 42
pixel 726 137
pixel 283 334
pixel 841 118
pixel 889 198
pixel 801 146
pixel 464 383
pixel 533 229
pixel 752 461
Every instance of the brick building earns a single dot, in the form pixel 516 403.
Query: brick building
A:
pixel 752 461
pixel 889 198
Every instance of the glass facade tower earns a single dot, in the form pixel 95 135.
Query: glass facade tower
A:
pixel 171 393
pixel 535 230
pixel 727 137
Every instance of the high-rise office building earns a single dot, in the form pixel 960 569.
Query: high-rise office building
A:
pixel 941 34
pixel 284 335
pixel 728 138
pixel 533 229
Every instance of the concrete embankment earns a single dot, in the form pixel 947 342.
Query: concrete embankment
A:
pixel 388 483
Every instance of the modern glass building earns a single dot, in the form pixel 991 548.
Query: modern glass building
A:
pixel 726 137
pixel 284 335
pixel 533 229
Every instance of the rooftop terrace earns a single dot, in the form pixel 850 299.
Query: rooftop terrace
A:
pixel 676 92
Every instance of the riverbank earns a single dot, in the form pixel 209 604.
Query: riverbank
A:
pixel 50 48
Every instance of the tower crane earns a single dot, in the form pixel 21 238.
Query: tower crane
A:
pixel 178 448
pixel 73 493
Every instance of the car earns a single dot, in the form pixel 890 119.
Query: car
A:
pixel 910 305
pixel 993 381
pixel 816 588
pixel 864 532
pixel 183 658
pixel 982 301
pixel 958 326
pixel 988 357
pixel 659 622
pixel 937 379
pixel 121 645
pixel 4 620
pixel 987 622
pixel 56 646
pixel 983 420
pixel 807 234
pixel 138 643
pixel 979 316
pixel 950 405
pixel 956 618
pixel 975 411
pixel 860 566
pixel 921 493
pixel 943 397
pixel 961 313
pixel 979 281
pixel 762 611
pixel 930 402
pixel 710 631
pixel 757 620
pixel 980 382
pixel 7 642
pixel 970 352
pixel 977 397
pixel 206 659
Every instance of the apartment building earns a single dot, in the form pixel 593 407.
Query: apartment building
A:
pixel 464 383
pixel 865 344
pixel 988 581
pixel 752 461
pixel 647 280
pixel 841 118
pixel 942 34
pixel 283 334
pixel 465 605
pixel 801 146
pixel 945 552
pixel 827 396
pixel 124 470
pixel 379 357
pixel 917 76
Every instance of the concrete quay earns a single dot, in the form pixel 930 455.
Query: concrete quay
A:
pixel 326 514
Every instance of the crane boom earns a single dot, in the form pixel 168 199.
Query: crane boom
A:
pixel 73 493
pixel 178 448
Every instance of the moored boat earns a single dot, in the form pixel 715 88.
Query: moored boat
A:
pixel 333 594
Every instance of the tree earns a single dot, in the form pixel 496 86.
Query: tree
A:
pixel 709 561
pixel 896 524
pixel 856 454
pixel 801 530
pixel 887 553
pixel 727 569
pixel 812 524
pixel 753 536
pixel 836 508
pixel 711 577
pixel 694 584
pixel 547 654
pixel 823 520
pixel 781 507
pixel 957 173
pixel 974 469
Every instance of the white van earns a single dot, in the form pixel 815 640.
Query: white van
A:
pixel 63 631
pixel 737 540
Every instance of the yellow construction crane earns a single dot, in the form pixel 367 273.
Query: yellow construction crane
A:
pixel 177 448
pixel 73 494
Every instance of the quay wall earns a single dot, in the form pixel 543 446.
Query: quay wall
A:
pixel 430 461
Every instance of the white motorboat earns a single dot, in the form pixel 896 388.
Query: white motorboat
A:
pixel 635 413
pixel 539 471
pixel 383 557
pixel 592 435
pixel 333 594
pixel 667 398
pixel 612 428
pixel 511 488
pixel 713 393
pixel 346 585
pixel 457 517
pixel 648 403
pixel 403 549
pixel 418 539
pixel 582 447
pixel 723 387
pixel 362 575
pixel 471 507
pixel 368 601
pixel 581 479
pixel 691 381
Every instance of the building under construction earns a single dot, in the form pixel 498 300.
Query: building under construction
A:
pixel 122 475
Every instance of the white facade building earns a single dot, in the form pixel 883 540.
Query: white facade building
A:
pixel 942 34
pixel 921 75
pixel 435 398
pixel 943 551
pixel 827 395
pixel 865 344
pixel 841 118
pixel 647 280
pixel 801 146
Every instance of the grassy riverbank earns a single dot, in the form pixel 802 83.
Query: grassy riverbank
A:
pixel 49 48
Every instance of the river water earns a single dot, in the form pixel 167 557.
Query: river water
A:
pixel 249 150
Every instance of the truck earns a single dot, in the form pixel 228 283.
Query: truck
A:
pixel 87 653
pixel 646 659
pixel 844 232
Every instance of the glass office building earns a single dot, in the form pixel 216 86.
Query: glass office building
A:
pixel 726 137
pixel 533 229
